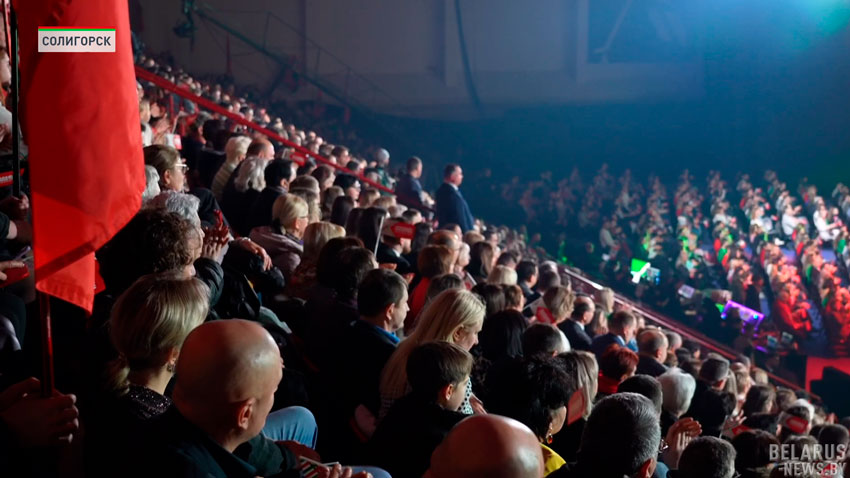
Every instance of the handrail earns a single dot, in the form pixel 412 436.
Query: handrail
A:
pixel 205 103
pixel 677 327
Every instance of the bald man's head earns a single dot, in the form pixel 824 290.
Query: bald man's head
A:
pixel 262 148
pixel 488 446
pixel 227 374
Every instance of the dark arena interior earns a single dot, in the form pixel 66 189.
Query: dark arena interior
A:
pixel 424 238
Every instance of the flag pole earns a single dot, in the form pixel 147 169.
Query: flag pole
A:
pixel 47 380
pixel 12 30
pixel 47 375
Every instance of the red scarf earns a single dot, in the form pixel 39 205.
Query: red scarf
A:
pixel 608 385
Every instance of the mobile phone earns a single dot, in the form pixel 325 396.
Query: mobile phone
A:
pixel 15 274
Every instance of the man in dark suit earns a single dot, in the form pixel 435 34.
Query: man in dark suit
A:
pixel 408 188
pixel 382 304
pixel 451 206
pixel 526 272
pixel 622 327
pixel 349 383
pixel 278 174
pixel 652 352
pixel 573 327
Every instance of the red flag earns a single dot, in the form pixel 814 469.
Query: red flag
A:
pixel 80 119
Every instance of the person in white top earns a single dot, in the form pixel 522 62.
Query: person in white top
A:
pixel 826 231
pixel 790 219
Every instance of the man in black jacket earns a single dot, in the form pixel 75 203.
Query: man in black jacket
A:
pixel 451 206
pixel 409 189
pixel 526 272
pixel 351 397
pixel 573 328
pixel 278 174
pixel 652 352
pixel 382 304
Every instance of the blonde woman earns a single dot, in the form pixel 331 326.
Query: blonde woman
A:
pixel 148 325
pixel 502 275
pixel 605 300
pixel 315 237
pixel 235 152
pixel 455 316
pixel 312 200
pixel 237 201
pixel 557 305
pixel 582 369
pixel 282 240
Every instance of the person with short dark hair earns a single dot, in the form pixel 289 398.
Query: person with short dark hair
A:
pixel 713 374
pixel 526 276
pixel 548 279
pixel 340 272
pixel 507 259
pixel 534 391
pixel 349 184
pixel 712 410
pixel 573 328
pixel 543 340
pixel 382 305
pixel 622 327
pixel 752 453
pixel 759 399
pixel 768 422
pixel 707 457
pixel 451 206
pixel 834 435
pixel 502 336
pixel 493 297
pixel 438 373
pixel 278 174
pixel 408 188
pixel 645 385
pixel 652 351
pixel 621 438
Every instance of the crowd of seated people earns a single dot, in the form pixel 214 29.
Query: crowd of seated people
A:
pixel 261 318
pixel 779 252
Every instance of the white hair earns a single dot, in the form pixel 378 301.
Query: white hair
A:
pixel 802 402
pixel 251 175
pixel 565 342
pixel 677 388
pixel 382 155
pixel 236 146
pixel 184 205
pixel 151 184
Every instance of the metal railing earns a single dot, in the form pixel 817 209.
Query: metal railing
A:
pixel 677 327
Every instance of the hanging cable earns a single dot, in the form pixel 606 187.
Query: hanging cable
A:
pixel 467 71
